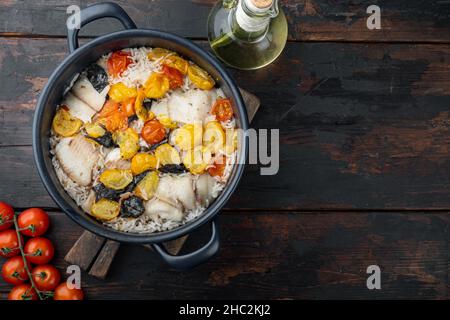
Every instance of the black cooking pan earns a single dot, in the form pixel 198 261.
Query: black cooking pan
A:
pixel 80 58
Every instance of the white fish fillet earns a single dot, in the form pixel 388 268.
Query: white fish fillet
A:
pixel 85 91
pixel 177 188
pixel 77 158
pixel 78 108
pixel 114 161
pixel 186 107
pixel 204 189
pixel 158 209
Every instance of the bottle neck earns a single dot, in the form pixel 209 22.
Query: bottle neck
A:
pixel 250 22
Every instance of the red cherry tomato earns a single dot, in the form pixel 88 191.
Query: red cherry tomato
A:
pixel 9 243
pixel 6 216
pixel 175 76
pixel 153 132
pixel 22 292
pixel 222 109
pixel 118 62
pixel 33 222
pixel 46 277
pixel 14 272
pixel 39 250
pixel 218 168
pixel 62 292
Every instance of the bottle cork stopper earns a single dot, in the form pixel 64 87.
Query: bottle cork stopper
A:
pixel 262 4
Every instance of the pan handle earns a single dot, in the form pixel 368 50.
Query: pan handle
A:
pixel 195 258
pixel 95 12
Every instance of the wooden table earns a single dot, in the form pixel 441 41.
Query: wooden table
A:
pixel 365 153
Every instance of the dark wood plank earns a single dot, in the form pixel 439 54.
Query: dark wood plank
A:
pixel 309 20
pixel 284 256
pixel 101 266
pixel 361 126
pixel 85 250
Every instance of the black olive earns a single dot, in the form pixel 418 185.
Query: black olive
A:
pixel 106 140
pixel 101 191
pixel 97 76
pixel 147 103
pixel 132 207
pixel 173 168
pixel 132 118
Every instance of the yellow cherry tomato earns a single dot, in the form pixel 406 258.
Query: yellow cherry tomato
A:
pixel 64 124
pixel 166 154
pixel 141 112
pixel 128 141
pixel 116 179
pixel 143 162
pixel 119 92
pixel 200 78
pixel 105 209
pixel 158 53
pixel 188 136
pixel 176 62
pixel 146 187
pixel 214 136
pixel 197 159
pixel 156 86
pixel 94 130
pixel 166 121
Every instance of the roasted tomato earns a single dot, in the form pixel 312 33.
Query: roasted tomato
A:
pixel 6 216
pixel 188 136
pixel 222 109
pixel 157 86
pixel 143 162
pixel 63 292
pixel 116 121
pixel 94 130
pixel 197 159
pixel 116 179
pixel 23 292
pixel 109 108
pixel 139 107
pixel 177 63
pixel 46 277
pixel 39 250
pixel 119 92
pixel 166 154
pixel 118 62
pixel 146 188
pixel 200 78
pixel 218 167
pixel 105 209
pixel 153 132
pixel 166 121
pixel 214 136
pixel 14 272
pixel 128 141
pixel 9 243
pixel 64 124
pixel 158 53
pixel 33 222
pixel 175 77
pixel 127 106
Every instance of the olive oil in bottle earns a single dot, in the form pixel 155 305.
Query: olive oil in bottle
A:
pixel 247 34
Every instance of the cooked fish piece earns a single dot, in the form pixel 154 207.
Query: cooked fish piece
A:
pixel 85 91
pixel 78 108
pixel 187 107
pixel 113 160
pixel 178 188
pixel 158 209
pixel 204 187
pixel 77 158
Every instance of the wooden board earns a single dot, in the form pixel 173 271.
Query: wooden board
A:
pixel 309 20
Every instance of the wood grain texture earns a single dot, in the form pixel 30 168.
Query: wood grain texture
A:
pixel 309 20
pixel 101 266
pixel 85 250
pixel 284 256
pixel 362 126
